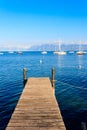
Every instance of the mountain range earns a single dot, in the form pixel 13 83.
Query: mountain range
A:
pixel 53 47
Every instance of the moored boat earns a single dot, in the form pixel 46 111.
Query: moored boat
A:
pixel 80 52
pixel 44 52
pixel 60 52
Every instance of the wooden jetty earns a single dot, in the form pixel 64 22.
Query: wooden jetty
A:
pixel 37 108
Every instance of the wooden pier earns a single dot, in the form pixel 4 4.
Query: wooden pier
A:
pixel 37 108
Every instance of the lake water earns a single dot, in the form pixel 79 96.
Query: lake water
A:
pixel 70 85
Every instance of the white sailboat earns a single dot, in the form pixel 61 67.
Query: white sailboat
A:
pixel 60 52
pixel 19 52
pixel 44 52
pixel 80 52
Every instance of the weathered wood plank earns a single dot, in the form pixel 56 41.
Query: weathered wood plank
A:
pixel 37 108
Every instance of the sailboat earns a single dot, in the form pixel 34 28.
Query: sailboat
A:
pixel 19 52
pixel 80 52
pixel 60 52
pixel 44 52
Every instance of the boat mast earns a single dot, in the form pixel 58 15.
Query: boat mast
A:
pixel 80 46
pixel 59 42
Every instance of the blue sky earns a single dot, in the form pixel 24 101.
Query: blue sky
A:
pixel 27 22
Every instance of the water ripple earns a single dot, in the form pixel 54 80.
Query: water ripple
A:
pixel 70 85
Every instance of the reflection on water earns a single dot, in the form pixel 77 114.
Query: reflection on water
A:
pixel 80 65
pixel 59 60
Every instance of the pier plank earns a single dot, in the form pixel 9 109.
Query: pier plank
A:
pixel 37 108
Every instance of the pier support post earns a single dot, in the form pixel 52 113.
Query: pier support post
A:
pixel 53 84
pixel 24 75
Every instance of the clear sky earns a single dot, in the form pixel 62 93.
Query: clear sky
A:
pixel 26 22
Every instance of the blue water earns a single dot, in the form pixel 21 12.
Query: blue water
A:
pixel 70 85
